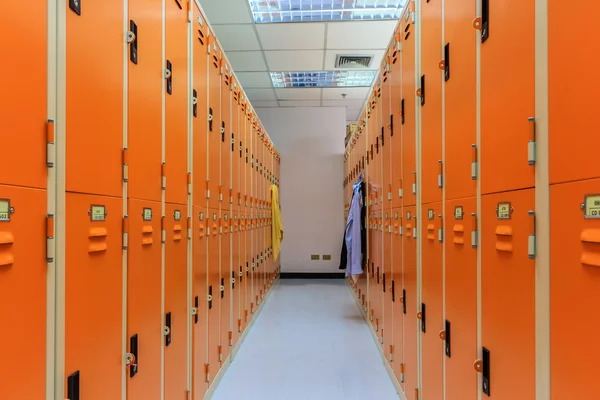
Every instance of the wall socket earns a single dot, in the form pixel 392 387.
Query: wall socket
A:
pixel 327 257
pixel 315 257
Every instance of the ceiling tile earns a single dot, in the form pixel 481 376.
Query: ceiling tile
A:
pixel 246 61
pixel 300 103
pixel 265 104
pixel 331 55
pixel 350 104
pixel 254 79
pixel 260 94
pixel 299 94
pixel 351 93
pixel 237 37
pixel 302 60
pixel 227 11
pixel 360 35
pixel 292 36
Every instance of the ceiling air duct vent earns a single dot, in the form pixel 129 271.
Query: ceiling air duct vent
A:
pixel 348 62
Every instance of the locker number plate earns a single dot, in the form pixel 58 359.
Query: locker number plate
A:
pixel 5 210
pixel 458 212
pixel 591 207
pixel 98 213
pixel 430 214
pixel 177 215
pixel 504 211
pixel 147 214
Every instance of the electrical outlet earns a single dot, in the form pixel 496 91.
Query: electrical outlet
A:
pixel 327 257
pixel 315 257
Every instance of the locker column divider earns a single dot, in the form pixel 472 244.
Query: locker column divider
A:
pixel 542 205
pixel 419 206
pixel 163 195
pixel 52 185
pixel 60 217
pixel 478 197
pixel 444 217
pixel 190 203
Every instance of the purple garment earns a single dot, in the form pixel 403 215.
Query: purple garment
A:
pixel 353 238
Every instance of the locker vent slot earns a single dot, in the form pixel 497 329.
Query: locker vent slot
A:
pixel 168 329
pixel 485 20
pixel 197 305
pixel 422 90
pixel 133 349
pixel 447 62
pixel 448 347
pixel 170 77
pixel 423 318
pixel 133 47
pixel 402 111
pixel 486 372
pixel 75 5
pixel 73 386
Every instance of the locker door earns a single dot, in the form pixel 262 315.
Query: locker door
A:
pixel 571 103
pixel 213 296
pixel 226 134
pixel 144 291
pixel 200 109
pixel 236 284
pixel 176 103
pixel 508 294
pixel 507 95
pixel 95 93
pixel 28 75
pixel 214 121
pixel 93 297
pixel 409 157
pixel 225 284
pixel 176 311
pixel 461 300
pixel 460 99
pixel 397 293
pixel 432 301
pixel 145 101
pixel 199 292
pixel 396 120
pixel 23 291
pixel 386 285
pixel 574 288
pixel 411 323
pixel 431 100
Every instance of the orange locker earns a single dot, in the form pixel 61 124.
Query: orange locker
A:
pixel 215 130
pixel 432 323
pixel 145 101
pixel 94 105
pixel 236 282
pixel 411 325
pixel 199 302
pixel 507 95
pixel 28 75
pixel 144 292
pixel 460 346
pixel 227 132
pixel 93 298
pixel 386 285
pixel 176 77
pixel 225 284
pixel 409 156
pixel 200 109
pixel 213 295
pixel 399 309
pixel 571 105
pixel 508 295
pixel 431 102
pixel 176 305
pixel 23 291
pixel 574 244
pixel 460 99
pixel 396 119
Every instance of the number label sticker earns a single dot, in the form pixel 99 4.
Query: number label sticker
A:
pixel 430 214
pixel 408 215
pixel 177 215
pixel 396 216
pixel 592 206
pixel 214 216
pixel 5 210
pixel 98 213
pixel 147 214
pixel 504 210
pixel 458 212
pixel 201 216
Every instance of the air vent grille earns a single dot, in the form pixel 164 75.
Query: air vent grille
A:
pixel 349 61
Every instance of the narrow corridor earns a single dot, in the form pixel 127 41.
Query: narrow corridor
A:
pixel 309 343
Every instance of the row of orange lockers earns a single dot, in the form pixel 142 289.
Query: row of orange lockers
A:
pixel 139 221
pixel 419 148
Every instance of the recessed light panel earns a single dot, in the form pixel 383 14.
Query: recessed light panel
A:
pixel 265 11
pixel 323 79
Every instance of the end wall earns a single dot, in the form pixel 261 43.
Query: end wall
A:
pixel 311 144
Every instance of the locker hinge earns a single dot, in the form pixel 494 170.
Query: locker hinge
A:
pixel 414 185
pixel 441 175
pixel 230 338
pixel 163 176
pixel 531 145
pixel 125 163
pixel 391 353
pixel 50 238
pixel 474 232
pixel 474 162
pixel 208 189
pixel 189 228
pixel 220 353
pixel 532 240
pixel 239 325
pixel 50 137
pixel 221 193
pixel 163 230
pixel 125 232
pixel 189 183
pixel 402 373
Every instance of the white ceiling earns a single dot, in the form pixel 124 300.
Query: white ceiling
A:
pixel 254 50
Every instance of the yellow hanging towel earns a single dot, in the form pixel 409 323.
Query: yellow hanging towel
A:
pixel 276 227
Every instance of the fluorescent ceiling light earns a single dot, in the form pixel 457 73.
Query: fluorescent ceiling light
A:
pixel 323 79
pixel 265 11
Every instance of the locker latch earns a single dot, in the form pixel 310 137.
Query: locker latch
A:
pixel 195 103
pixel 531 145
pixel 195 309
pixel 132 39
pixel 210 119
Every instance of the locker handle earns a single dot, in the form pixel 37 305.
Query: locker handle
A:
pixel 430 227
pixel 97 232
pixel 478 366
pixel 504 230
pixel 73 386
pixel 504 246
pixel 6 238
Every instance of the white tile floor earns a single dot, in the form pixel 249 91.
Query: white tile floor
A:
pixel 310 342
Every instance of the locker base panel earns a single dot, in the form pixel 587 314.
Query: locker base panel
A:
pixel 313 275
pixel 211 390
pixel 388 367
